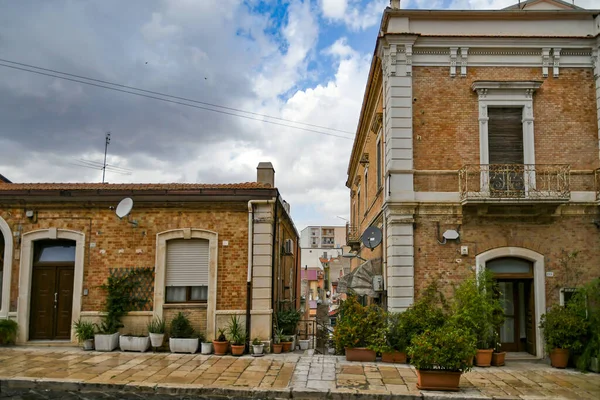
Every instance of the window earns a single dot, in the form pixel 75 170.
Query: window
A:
pixel 358 206
pixel 379 164
pixel 187 271
pixel 566 295
pixel 366 189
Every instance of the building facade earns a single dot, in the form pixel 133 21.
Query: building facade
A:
pixel 325 237
pixel 477 147
pixel 214 250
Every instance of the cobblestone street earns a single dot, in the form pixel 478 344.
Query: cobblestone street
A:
pixel 32 373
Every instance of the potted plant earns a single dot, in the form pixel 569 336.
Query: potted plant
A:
pixel 206 347
pixel 237 336
pixel 8 331
pixel 221 345
pixel 440 357
pixel 156 330
pixel 477 308
pixel 287 343
pixel 257 346
pixel 84 331
pixel 396 338
pixel 183 337
pixel 563 328
pixel 129 342
pixel 106 337
pixel 498 356
pixel 287 320
pixel 277 341
pixel 358 330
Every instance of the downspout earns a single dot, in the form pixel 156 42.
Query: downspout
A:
pixel 251 204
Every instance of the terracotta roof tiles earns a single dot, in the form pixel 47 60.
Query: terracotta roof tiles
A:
pixel 129 186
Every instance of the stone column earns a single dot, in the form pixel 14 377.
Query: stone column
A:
pixel 261 313
pixel 400 258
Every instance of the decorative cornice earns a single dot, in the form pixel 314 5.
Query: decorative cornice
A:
pixel 556 54
pixel 453 57
pixel 364 160
pixel 377 122
pixel 506 85
pixel 464 51
pixel 545 61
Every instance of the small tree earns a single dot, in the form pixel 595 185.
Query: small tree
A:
pixel 358 326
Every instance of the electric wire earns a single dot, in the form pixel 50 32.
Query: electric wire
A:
pixel 169 96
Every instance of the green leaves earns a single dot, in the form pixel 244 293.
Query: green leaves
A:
pixel 447 348
pixel 563 328
pixel 359 326
pixel 181 328
pixel 8 331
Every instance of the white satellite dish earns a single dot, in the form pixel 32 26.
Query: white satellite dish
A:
pixel 124 208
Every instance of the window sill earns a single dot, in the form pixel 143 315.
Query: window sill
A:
pixel 184 305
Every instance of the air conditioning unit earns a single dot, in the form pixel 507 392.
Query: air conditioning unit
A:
pixel 288 248
pixel 378 283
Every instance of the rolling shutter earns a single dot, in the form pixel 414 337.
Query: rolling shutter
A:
pixel 505 135
pixel 187 262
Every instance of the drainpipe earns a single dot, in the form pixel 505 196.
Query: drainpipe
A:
pixel 251 204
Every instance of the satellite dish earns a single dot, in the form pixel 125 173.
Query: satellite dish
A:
pixel 371 238
pixel 124 207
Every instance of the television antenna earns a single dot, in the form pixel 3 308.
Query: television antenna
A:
pixel 106 142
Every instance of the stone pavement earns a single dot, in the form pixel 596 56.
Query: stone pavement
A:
pixel 28 372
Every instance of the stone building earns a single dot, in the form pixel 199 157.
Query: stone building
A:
pixel 477 147
pixel 216 250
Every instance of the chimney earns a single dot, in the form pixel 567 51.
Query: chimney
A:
pixel 265 173
pixel 395 4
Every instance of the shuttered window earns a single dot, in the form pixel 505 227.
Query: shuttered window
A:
pixel 187 270
pixel 505 135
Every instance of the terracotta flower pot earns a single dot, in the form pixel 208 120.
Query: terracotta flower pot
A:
pixel 287 346
pixel 498 359
pixel 438 380
pixel 559 358
pixel 394 357
pixel 237 350
pixel 277 348
pixel 220 348
pixel 360 354
pixel 483 358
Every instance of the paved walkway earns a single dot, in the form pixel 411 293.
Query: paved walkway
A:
pixel 272 376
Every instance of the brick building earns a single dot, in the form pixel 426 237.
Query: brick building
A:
pixel 216 250
pixel 477 147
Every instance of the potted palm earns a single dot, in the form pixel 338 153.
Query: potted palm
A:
pixel 183 337
pixel 84 331
pixel 440 357
pixel 156 330
pixel 563 328
pixel 257 346
pixel 358 330
pixel 221 345
pixel 237 336
pixel 277 341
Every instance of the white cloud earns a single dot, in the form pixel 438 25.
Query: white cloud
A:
pixel 355 14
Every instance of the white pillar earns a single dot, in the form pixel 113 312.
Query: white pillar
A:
pixel 400 269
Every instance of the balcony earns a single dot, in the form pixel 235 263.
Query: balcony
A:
pixel 353 237
pixel 514 183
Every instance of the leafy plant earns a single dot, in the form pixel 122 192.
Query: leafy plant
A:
pixel 359 326
pixel 586 302
pixel 478 309
pixel 236 331
pixel 279 336
pixel 157 325
pixel 563 328
pixel 120 298
pixel 221 337
pixel 256 342
pixel 448 348
pixel 429 312
pixel 181 327
pixel 84 330
pixel 288 320
pixel 8 331
pixel 397 332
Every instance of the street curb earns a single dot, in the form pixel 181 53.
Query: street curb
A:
pixel 186 390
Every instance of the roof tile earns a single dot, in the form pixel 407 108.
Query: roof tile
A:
pixel 129 186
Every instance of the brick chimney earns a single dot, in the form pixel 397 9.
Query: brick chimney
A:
pixel 395 4
pixel 265 173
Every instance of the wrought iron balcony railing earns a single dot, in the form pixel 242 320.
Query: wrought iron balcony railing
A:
pixel 514 182
pixel 353 237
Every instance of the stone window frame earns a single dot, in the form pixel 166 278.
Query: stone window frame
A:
pixel 506 94
pixel 562 294
pixel 6 268
pixel 160 273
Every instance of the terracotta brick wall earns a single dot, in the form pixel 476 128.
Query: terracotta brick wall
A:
pixel 446 127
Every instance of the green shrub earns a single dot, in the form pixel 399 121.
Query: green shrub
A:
pixel 237 335
pixel 157 325
pixel 181 327
pixel 429 312
pixel 359 326
pixel 84 330
pixel 288 320
pixel 8 331
pixel 397 335
pixel 563 328
pixel 448 348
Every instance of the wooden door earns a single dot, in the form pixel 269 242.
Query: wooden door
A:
pixel 530 317
pixel 64 305
pixel 509 331
pixel 41 314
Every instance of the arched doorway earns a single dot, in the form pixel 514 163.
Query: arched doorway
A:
pixel 6 255
pixel 521 274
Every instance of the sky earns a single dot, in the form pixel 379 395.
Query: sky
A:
pixel 303 63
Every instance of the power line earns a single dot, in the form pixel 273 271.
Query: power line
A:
pixel 171 96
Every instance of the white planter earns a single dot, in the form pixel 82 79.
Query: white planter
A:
pixel 106 342
pixel 304 344
pixel 183 345
pixel 134 343
pixel 258 348
pixel 594 364
pixel 88 344
pixel 157 339
pixel 206 348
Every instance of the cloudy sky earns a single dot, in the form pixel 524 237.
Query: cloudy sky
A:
pixel 296 60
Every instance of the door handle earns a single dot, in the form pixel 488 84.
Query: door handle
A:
pixel 55 299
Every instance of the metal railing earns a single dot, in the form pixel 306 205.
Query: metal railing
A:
pixel 502 182
pixel 352 233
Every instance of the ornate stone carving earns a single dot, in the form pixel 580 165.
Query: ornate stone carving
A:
pixel 453 57
pixel 393 59
pixel 364 160
pixel 556 54
pixel 545 61
pixel 408 49
pixel 377 122
pixel 464 51
pixel 352 193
